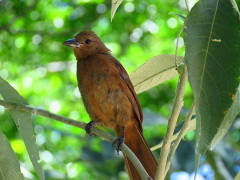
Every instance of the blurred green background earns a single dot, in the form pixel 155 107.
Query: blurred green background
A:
pixel 35 62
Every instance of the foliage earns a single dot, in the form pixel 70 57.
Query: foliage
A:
pixel 155 71
pixel 213 63
pixel 10 167
pixel 23 122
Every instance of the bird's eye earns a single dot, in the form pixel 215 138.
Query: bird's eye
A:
pixel 88 41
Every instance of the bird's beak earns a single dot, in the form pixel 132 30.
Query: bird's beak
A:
pixel 72 43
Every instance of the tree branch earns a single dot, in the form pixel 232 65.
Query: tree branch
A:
pixel 103 135
pixel 179 138
pixel 177 105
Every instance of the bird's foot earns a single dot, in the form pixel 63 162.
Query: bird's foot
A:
pixel 89 127
pixel 118 143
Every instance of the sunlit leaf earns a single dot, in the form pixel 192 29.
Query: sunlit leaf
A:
pixel 115 5
pixel 213 59
pixel 23 122
pixel 154 72
pixel 9 164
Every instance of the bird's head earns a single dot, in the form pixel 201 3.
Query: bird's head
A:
pixel 85 44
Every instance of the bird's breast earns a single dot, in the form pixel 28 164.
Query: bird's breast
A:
pixel 102 96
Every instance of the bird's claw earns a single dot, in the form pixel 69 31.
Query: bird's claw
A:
pixel 118 143
pixel 89 127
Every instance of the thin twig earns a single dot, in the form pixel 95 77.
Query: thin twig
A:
pixel 103 135
pixel 179 138
pixel 177 105
pixel 176 51
pixel 187 5
pixel 191 126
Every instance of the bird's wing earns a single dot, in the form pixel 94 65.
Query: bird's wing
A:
pixel 128 89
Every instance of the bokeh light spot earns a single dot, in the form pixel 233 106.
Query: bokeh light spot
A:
pixel 55 136
pixel 180 42
pixel 150 26
pixel 103 23
pixel 129 7
pixel 114 47
pixel 40 139
pixel 27 81
pixel 136 35
pixel 180 176
pixel 182 4
pixel 78 12
pixel 77 93
pixel 72 170
pixel 46 156
pixel 2 109
pixel 152 9
pixel 58 22
pixel 27 174
pixel 36 39
pixel 55 106
pixel 20 42
pixel 55 46
pixel 101 8
pixel 41 71
pixel 56 66
pixel 172 22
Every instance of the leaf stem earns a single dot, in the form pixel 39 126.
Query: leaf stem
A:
pixel 176 51
pixel 177 105
pixel 103 135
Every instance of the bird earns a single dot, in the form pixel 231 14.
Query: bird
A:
pixel 110 99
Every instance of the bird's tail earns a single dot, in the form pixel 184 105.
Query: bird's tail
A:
pixel 136 142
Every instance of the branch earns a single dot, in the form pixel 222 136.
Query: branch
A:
pixel 191 126
pixel 179 138
pixel 103 135
pixel 177 105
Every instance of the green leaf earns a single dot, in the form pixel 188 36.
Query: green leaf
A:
pixel 154 72
pixel 228 119
pixel 9 164
pixel 23 122
pixel 212 41
pixel 115 5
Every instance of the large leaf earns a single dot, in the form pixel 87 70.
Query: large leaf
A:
pixel 154 72
pixel 115 5
pixel 23 122
pixel 213 58
pixel 9 164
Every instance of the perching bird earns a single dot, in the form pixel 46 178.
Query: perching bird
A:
pixel 110 99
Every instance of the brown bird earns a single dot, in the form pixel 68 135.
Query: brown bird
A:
pixel 110 99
